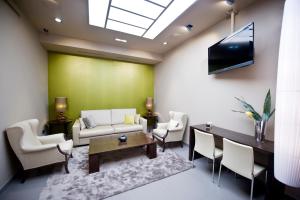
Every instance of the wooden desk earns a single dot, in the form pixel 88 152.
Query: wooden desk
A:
pixel 263 153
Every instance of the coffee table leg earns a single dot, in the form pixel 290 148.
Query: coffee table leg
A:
pixel 94 163
pixel 151 150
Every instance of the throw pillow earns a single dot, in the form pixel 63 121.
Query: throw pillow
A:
pixel 129 119
pixel 172 124
pixel 82 125
pixel 89 122
pixel 137 118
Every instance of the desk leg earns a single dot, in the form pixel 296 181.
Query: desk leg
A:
pixel 94 163
pixel 151 151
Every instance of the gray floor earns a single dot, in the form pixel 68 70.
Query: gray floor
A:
pixel 193 184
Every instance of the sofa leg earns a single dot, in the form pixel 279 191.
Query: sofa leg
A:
pixel 164 145
pixel 71 155
pixel 181 144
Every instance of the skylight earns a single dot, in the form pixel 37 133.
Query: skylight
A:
pixel 145 18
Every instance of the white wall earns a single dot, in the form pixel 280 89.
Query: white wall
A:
pixel 182 82
pixel 23 81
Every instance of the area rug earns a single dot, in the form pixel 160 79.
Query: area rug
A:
pixel 119 172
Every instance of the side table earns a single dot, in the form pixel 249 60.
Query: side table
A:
pixel 57 126
pixel 151 122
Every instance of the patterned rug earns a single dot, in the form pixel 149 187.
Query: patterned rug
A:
pixel 119 172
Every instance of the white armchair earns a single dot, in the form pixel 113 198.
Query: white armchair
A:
pixel 35 151
pixel 167 134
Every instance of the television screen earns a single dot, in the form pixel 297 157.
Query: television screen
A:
pixel 234 51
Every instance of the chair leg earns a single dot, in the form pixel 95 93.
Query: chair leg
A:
pixel 66 164
pixel 164 145
pixel 266 177
pixel 24 176
pixel 71 155
pixel 252 184
pixel 193 158
pixel 219 174
pixel 213 170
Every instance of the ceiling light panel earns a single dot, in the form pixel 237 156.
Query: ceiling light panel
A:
pixel 140 7
pixel 161 2
pixel 129 18
pixel 176 8
pixel 118 26
pixel 97 12
pixel 146 18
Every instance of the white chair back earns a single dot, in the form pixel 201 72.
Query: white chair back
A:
pixel 238 158
pixel 204 144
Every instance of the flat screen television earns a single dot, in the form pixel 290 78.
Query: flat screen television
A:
pixel 234 51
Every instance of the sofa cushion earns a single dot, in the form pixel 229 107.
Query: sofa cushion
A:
pixel 101 117
pixel 118 115
pixel 129 119
pixel 97 131
pixel 120 128
pixel 89 122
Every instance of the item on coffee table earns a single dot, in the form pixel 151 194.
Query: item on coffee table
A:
pixel 123 138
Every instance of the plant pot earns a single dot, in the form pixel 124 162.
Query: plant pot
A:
pixel 260 130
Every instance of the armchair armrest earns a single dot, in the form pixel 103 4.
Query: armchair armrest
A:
pixel 162 125
pixel 38 148
pixel 76 132
pixel 51 139
pixel 143 122
pixel 176 129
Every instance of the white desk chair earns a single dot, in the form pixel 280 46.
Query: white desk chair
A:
pixel 205 145
pixel 240 159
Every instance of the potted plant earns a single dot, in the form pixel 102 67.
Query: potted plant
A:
pixel 260 121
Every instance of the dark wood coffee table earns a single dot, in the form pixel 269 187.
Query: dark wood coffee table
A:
pixel 109 144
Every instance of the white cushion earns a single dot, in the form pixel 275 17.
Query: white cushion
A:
pixel 137 118
pixel 121 128
pixel 173 124
pixel 97 131
pixel 66 146
pixel 160 132
pixel 118 115
pixel 177 116
pixel 101 117
pixel 82 124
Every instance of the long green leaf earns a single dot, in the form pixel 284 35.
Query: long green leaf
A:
pixel 267 104
pixel 248 107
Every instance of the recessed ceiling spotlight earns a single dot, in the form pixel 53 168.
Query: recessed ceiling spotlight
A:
pixel 165 43
pixel 121 40
pixel 229 2
pixel 189 27
pixel 58 20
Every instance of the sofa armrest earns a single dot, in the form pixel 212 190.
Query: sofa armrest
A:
pixel 76 132
pixel 51 139
pixel 143 122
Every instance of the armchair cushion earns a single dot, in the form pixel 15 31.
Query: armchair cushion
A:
pixel 173 124
pixel 160 132
pixel 51 139
pixel 66 146
pixel 137 118
pixel 82 124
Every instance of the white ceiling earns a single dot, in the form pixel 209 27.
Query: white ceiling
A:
pixel 203 14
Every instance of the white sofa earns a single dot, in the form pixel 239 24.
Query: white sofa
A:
pixel 108 122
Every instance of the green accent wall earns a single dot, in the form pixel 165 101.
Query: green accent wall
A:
pixel 94 83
